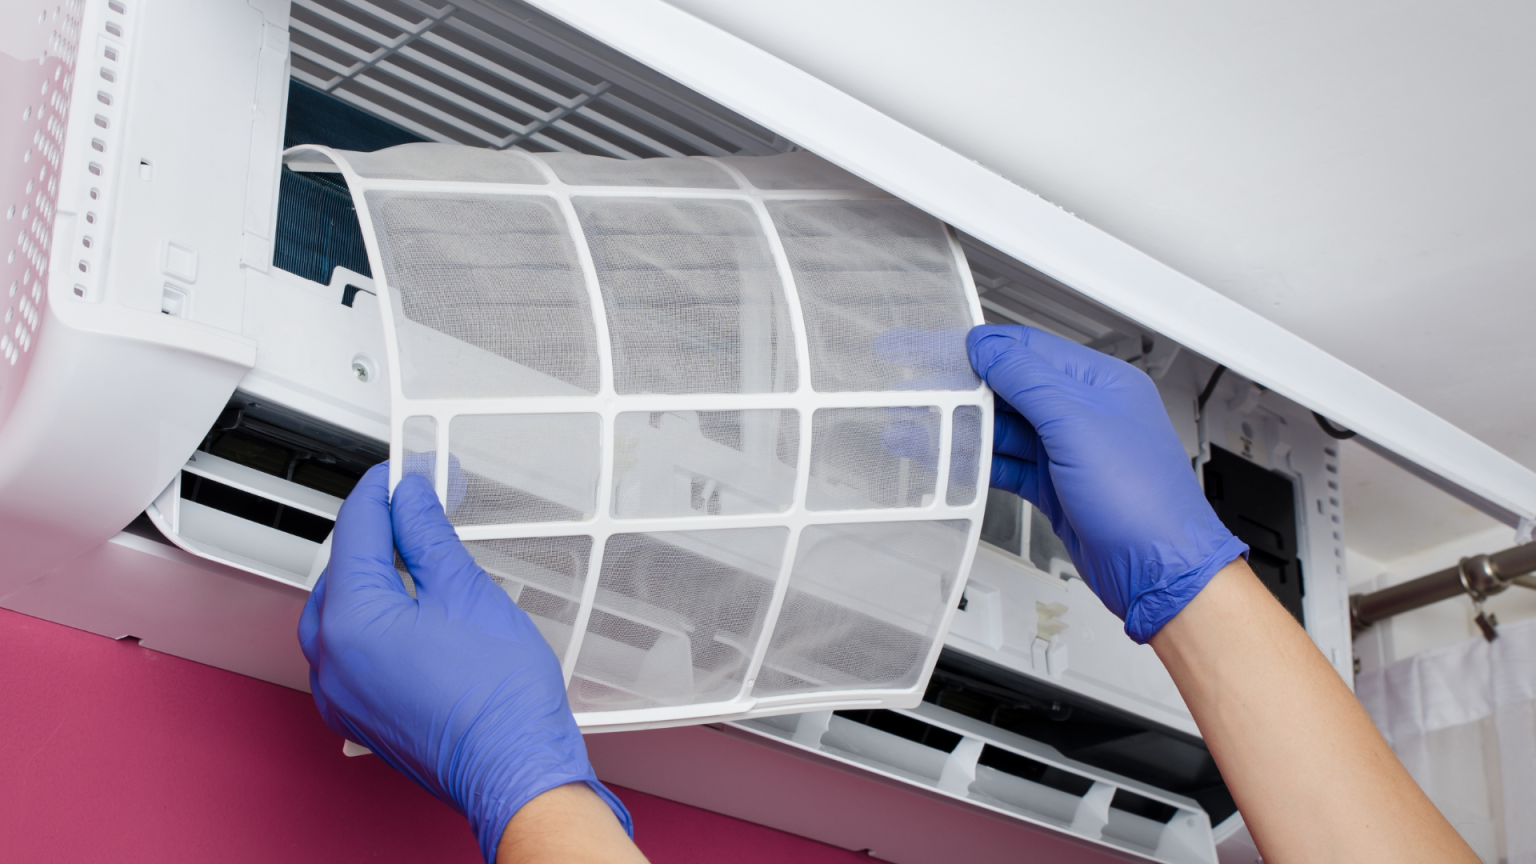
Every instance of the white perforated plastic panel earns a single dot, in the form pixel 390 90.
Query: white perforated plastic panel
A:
pixel 709 421
pixel 37 69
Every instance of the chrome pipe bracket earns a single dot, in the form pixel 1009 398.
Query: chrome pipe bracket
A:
pixel 1481 579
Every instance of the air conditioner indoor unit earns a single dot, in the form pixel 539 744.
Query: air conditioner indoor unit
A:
pixel 212 330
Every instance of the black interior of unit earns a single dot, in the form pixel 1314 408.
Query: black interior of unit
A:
pixel 906 727
pixel 1084 730
pixel 254 508
pixel 320 118
pixel 143 526
pixel 317 227
pixel 1259 506
pixel 1006 761
pixel 277 441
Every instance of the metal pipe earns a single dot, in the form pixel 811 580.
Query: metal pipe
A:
pixel 1478 577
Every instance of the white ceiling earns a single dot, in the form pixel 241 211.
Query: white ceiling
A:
pixel 1364 174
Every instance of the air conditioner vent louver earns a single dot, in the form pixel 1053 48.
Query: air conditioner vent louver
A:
pixel 263 490
pixel 958 757
pixel 468 74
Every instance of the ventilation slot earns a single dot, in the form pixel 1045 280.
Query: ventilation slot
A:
pixel 254 508
pixel 948 754
pixel 1081 729
pixel 263 490
pixel 903 726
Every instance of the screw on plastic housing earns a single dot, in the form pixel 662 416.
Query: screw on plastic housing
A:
pixel 362 368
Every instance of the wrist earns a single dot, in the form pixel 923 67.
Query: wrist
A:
pixel 501 792
pixel 525 768
pixel 569 823
pixel 1155 607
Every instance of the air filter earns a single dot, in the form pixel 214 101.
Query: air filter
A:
pixel 709 420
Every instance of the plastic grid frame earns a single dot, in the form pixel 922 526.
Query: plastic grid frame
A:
pixel 609 405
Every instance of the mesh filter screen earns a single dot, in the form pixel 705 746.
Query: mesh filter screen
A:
pixel 795 171
pixel 710 422
pixel 695 463
pixel 677 617
pixel 864 606
pixel 543 576
pixel 419 442
pixel 492 295
pixel 872 274
pixel 445 162
pixel 525 467
pixel 694 303
pixel 964 456
pixel 689 172
pixel 864 458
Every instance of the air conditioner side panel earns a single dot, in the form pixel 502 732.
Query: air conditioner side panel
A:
pixel 138 346
pixel 175 603
pixel 104 422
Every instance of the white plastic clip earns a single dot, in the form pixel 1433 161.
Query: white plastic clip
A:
pixel 1523 530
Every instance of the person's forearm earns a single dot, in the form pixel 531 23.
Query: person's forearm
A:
pixel 1310 773
pixel 566 825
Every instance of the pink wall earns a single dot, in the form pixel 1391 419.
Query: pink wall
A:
pixel 109 751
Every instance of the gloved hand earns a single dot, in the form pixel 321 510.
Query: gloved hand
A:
pixel 1085 438
pixel 455 688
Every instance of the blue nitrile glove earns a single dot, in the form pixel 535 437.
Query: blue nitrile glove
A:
pixel 455 688
pixel 1085 438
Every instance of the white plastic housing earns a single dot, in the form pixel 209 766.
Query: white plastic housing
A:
pixel 109 393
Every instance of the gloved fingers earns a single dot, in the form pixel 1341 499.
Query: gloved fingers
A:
pixel 988 344
pixel 427 542
pixel 362 561
pixel 1017 476
pixel 1012 435
pixel 1077 362
pixel 1014 371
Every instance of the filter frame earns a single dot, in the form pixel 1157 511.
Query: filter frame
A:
pixel 608 404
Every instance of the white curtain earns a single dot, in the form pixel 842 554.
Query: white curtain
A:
pixel 1462 718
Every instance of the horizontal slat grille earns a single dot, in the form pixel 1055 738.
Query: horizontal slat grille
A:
pixel 469 74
